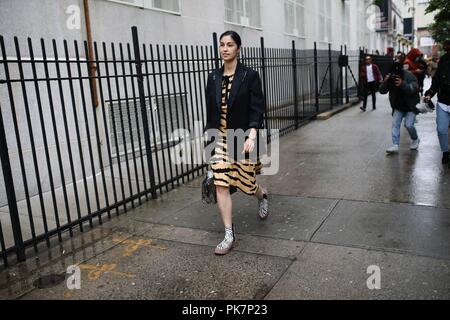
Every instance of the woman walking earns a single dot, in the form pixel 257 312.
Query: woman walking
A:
pixel 234 100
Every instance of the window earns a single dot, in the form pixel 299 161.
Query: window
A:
pixel 325 20
pixel 139 3
pixel 243 12
pixel 166 5
pixel 155 106
pixel 169 5
pixel 294 15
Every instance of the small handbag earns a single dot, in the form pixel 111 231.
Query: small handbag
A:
pixel 209 189
pixel 425 107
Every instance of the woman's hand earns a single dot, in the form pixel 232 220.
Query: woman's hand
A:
pixel 250 142
pixel 249 146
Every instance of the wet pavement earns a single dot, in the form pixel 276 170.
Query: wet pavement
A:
pixel 339 207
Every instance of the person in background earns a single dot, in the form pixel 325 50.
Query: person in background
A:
pixel 432 66
pixel 423 67
pixel 441 86
pixel 414 64
pixel 403 90
pixel 371 77
pixel 401 57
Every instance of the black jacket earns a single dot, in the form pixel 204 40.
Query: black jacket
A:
pixel 245 110
pixel 441 81
pixel 246 105
pixel 403 98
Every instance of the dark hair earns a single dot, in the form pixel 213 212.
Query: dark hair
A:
pixel 234 35
pixel 447 42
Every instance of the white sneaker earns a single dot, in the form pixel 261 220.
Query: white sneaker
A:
pixel 415 144
pixel 227 244
pixel 263 207
pixel 392 149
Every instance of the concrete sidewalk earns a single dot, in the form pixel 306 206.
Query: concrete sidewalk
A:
pixel 339 205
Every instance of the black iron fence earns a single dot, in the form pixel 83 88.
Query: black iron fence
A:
pixel 74 153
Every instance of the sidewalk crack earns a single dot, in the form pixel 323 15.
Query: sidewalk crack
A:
pixel 330 212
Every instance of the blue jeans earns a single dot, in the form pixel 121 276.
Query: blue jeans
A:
pixel 410 118
pixel 442 121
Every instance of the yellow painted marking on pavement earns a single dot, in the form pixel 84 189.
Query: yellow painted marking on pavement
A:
pixel 67 295
pixel 134 245
pixel 97 271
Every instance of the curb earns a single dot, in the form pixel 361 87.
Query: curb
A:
pixel 328 114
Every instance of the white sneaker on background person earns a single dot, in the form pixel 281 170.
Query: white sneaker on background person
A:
pixel 392 149
pixel 415 144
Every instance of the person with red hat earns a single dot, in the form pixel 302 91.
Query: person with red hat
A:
pixel 414 63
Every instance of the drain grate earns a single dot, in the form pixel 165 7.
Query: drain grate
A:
pixel 49 281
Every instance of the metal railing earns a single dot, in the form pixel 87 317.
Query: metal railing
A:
pixel 66 164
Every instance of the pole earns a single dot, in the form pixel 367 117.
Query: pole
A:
pixel 331 75
pixel 316 77
pixel 216 51
pixel 11 194
pixel 294 72
pixel 140 80
pixel 347 98
pixel 264 81
pixel 92 66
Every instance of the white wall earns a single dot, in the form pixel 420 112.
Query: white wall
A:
pixel 198 20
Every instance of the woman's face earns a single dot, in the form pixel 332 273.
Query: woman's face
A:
pixel 228 49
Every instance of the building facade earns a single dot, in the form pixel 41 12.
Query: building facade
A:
pixel 423 39
pixel 388 22
pixel 338 22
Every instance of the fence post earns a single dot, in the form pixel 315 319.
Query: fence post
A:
pixel 360 65
pixel 347 98
pixel 140 80
pixel 294 71
pixel 331 75
pixel 10 192
pixel 316 77
pixel 216 51
pixel 341 81
pixel 264 82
